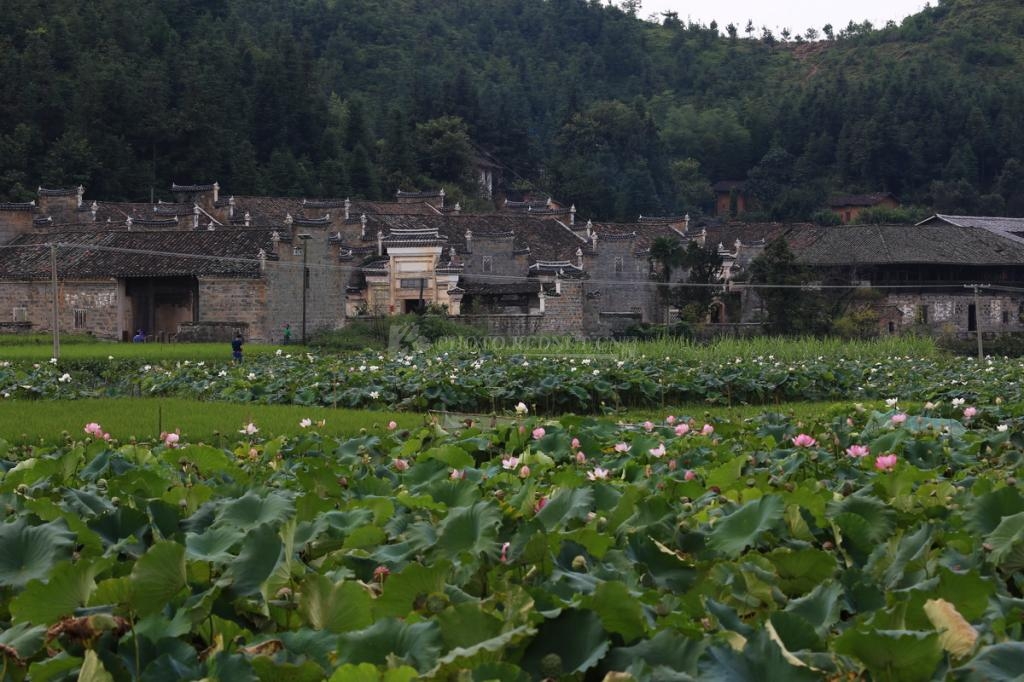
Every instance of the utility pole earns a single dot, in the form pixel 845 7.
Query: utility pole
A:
pixel 305 281
pixel 977 315
pixel 53 286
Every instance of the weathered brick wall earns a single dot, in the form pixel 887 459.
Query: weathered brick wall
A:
pixel 98 305
pixel 563 314
pixel 621 292
pixel 237 302
pixel 949 313
pixel 500 251
pixel 14 223
pixel 325 297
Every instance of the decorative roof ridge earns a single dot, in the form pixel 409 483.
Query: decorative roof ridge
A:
pixel 325 203
pixel 495 236
pixel 620 237
pixel 173 220
pixel 552 264
pixel 662 219
pixel 420 195
pixel 17 206
pixel 192 188
pixel 60 192
pixel 173 209
pixel 323 220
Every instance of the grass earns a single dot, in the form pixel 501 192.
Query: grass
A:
pixel 143 352
pixel 32 422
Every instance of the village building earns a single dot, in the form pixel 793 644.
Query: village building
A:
pixel 207 265
pixel 730 198
pixel 849 206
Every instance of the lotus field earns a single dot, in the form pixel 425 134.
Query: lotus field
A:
pixel 489 383
pixel 882 541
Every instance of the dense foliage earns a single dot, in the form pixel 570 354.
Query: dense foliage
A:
pixel 485 382
pixel 672 549
pixel 620 115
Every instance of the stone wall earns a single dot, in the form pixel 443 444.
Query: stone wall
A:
pixel 235 303
pixel 83 307
pixel 948 314
pixel 500 250
pixel 325 297
pixel 563 313
pixel 14 222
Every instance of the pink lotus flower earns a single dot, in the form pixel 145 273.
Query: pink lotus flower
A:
pixel 970 412
pixel 509 463
pixel 575 444
pixel 400 464
pixel 885 462
pixel 804 441
pixel 689 475
pixel 524 471
pixel 670 420
pixel 648 426
pixel 392 425
pixel 682 429
pixel 538 433
pixel 504 552
pixel 541 503
pixel 707 430
pixel 305 422
pixel 380 573
pixel 658 451
pixel 898 418
pixel 623 447
pixel 249 429
pixel 94 429
pixel 171 439
pixel 672 465
pixel 457 475
pixel 858 451
pixel 598 474
pixel 581 458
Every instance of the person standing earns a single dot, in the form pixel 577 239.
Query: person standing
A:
pixel 287 334
pixel 236 348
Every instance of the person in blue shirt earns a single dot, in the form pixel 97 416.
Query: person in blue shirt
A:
pixel 139 337
pixel 236 348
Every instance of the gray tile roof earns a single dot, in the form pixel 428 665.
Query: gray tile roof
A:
pixel 937 243
pixel 103 254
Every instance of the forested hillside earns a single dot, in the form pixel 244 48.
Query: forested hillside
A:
pixel 591 103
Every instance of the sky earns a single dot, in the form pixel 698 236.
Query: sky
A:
pixel 797 15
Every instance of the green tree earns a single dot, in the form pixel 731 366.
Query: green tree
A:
pixel 693 191
pixel 704 271
pixel 668 254
pixel 790 307
pixel 444 151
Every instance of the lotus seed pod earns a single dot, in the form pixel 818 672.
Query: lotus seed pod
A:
pixel 579 563
pixel 551 666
